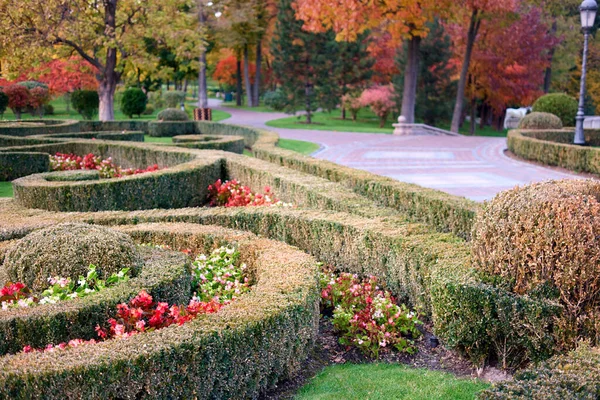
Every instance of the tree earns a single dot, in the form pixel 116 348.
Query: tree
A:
pixel 104 33
pixel 402 19
pixel 302 62
pixel 226 70
pixel 472 13
pixel 381 101
pixel 18 99
pixel 435 88
pixel 133 102
pixel 503 71
pixel 65 76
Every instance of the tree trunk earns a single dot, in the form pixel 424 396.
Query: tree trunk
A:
pixel 462 83
pixel 247 84
pixel 473 116
pixel 343 94
pixel 109 77
pixel 308 92
pixel 238 79
pixel 202 88
pixel 483 115
pixel 548 72
pixel 411 75
pixel 257 76
pixel 106 93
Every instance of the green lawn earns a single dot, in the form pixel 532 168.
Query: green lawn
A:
pixel 60 112
pixel 261 108
pixel 6 189
pixel 152 139
pixel 387 381
pixel 298 146
pixel 367 122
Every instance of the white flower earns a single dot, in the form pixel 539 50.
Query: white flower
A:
pixel 230 250
pixel 4 305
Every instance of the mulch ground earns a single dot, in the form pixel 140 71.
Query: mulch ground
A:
pixel 328 351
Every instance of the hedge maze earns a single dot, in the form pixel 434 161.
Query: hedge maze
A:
pixel 416 240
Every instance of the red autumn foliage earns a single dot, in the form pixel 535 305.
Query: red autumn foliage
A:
pixel 64 76
pixel 226 70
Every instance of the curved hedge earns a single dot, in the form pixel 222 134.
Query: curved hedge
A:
pixel 17 165
pixel 554 148
pixel 233 144
pixel 164 275
pixel 239 352
pixel 38 127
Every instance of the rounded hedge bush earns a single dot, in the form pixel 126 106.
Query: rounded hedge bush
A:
pixel 174 98
pixel 559 104
pixel 542 240
pixel 540 120
pixel 275 100
pixel 3 102
pixel 85 102
pixel 133 102
pixel 172 114
pixel 67 250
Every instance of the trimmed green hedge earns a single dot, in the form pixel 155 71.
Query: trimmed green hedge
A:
pixel 126 136
pixel 165 275
pixel 239 352
pixel 554 148
pixel 38 127
pixel 571 376
pixel 172 128
pixel 113 126
pixel 17 165
pixel 233 144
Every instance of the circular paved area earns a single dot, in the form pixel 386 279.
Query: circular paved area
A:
pixel 473 167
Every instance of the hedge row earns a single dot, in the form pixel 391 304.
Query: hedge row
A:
pixel 165 275
pixel 571 376
pixel 429 270
pixel 233 144
pixel 126 136
pixel 38 127
pixel 552 148
pixel 17 165
pixel 237 353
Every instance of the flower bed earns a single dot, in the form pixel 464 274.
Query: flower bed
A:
pixel 106 168
pixel 207 357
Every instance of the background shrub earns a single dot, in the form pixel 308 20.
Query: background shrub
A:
pixel 133 102
pixel 149 110
pixel 540 120
pixel 3 102
pixel 572 376
pixel 275 100
pixel 559 104
pixel 156 100
pixel 172 114
pixel 18 99
pixel 173 98
pixel 33 84
pixel 542 240
pixel 85 102
pixel 39 98
pixel 67 250
pixel 48 109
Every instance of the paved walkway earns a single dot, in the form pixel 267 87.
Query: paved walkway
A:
pixel 474 167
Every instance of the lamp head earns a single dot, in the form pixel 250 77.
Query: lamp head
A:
pixel 588 10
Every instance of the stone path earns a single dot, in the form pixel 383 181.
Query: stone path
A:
pixel 473 167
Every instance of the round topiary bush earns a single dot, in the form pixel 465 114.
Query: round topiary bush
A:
pixel 275 100
pixel 540 120
pixel 3 102
pixel 172 114
pixel 542 240
pixel 85 102
pixel 67 250
pixel 559 104
pixel 174 98
pixel 133 102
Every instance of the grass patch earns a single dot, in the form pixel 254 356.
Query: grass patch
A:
pixel 388 381
pixel 465 129
pixel 299 146
pixel 6 189
pixel 367 122
pixel 152 139
pixel 248 153
pixel 261 108
pixel 60 112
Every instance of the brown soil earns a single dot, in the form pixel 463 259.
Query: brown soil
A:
pixel 328 352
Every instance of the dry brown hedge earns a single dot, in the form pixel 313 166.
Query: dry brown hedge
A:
pixel 541 240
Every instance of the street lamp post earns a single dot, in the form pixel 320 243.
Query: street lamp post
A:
pixel 588 11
